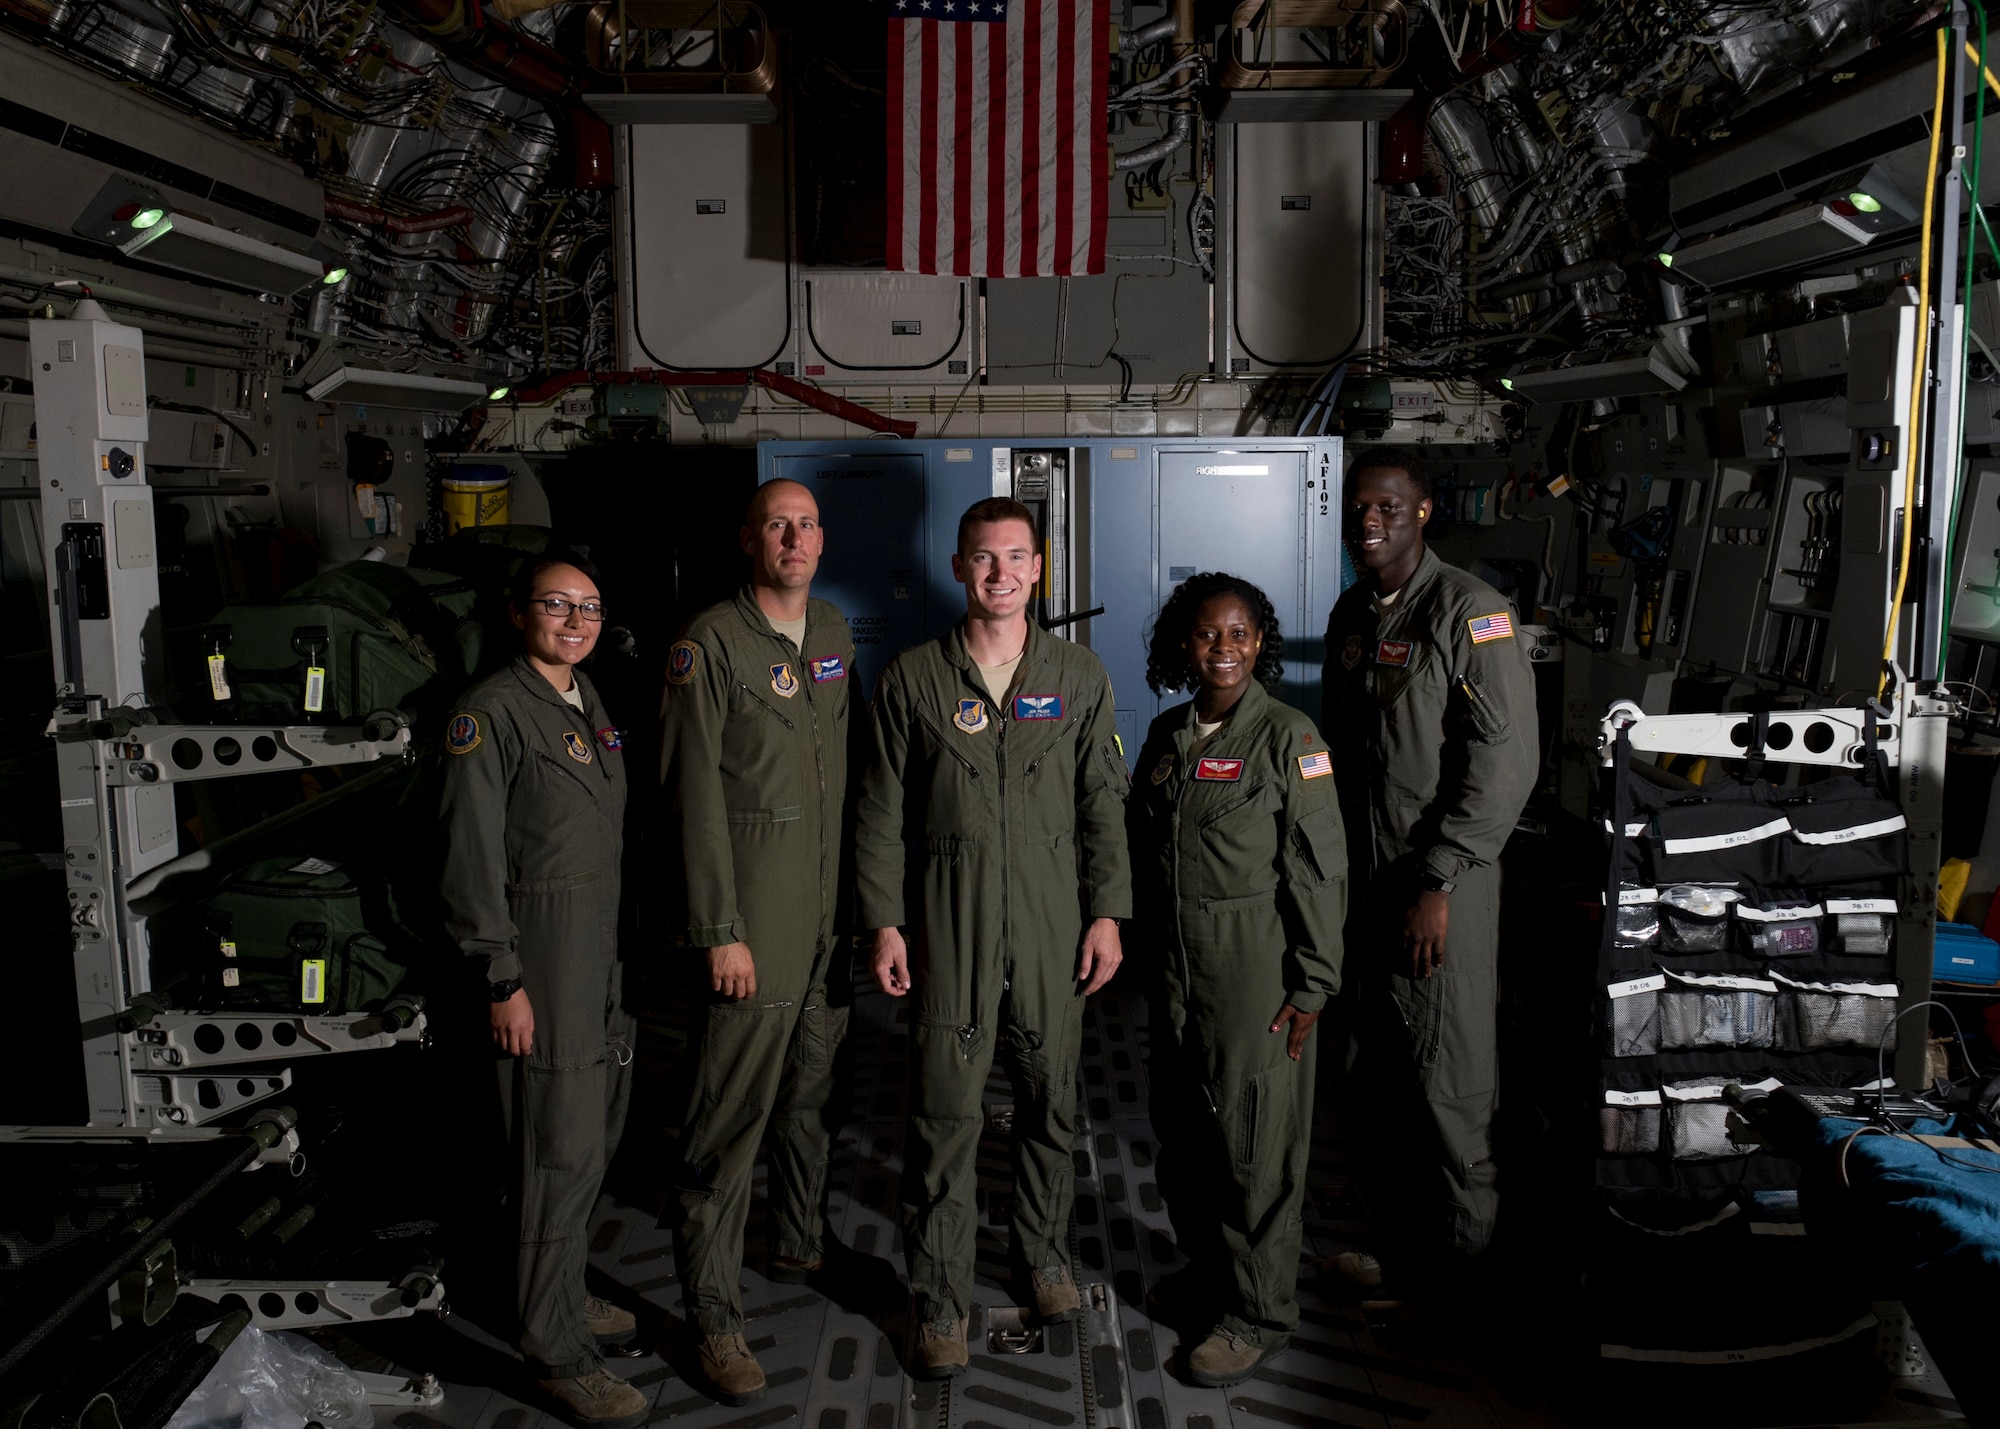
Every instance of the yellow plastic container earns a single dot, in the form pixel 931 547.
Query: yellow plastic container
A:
pixel 477 496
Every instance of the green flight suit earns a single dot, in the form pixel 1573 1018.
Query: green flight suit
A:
pixel 993 836
pixel 534 815
pixel 1431 710
pixel 754 756
pixel 1239 870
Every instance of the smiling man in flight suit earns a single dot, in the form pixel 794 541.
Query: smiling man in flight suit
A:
pixel 754 755
pixel 1430 713
pixel 991 823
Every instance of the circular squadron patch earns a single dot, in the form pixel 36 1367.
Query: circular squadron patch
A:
pixel 461 736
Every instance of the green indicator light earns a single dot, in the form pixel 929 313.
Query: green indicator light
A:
pixel 147 217
pixel 334 275
pixel 1865 203
pixel 497 393
pixel 1508 383
pixel 1666 260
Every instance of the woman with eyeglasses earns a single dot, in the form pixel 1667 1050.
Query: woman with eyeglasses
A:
pixel 534 811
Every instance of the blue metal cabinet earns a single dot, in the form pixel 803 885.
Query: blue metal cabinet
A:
pixel 1140 516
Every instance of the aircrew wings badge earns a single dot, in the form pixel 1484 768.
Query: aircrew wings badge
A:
pixel 680 662
pixel 1226 770
pixel 578 747
pixel 1038 707
pixel 783 682
pixel 461 736
pixel 971 716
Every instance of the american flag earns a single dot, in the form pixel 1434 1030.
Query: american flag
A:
pixel 1490 627
pixel 1312 766
pixel 998 164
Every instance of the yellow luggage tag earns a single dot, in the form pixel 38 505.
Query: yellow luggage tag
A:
pixel 312 981
pixel 315 688
pixel 218 676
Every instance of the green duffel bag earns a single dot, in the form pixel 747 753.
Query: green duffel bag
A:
pixel 288 935
pixel 356 638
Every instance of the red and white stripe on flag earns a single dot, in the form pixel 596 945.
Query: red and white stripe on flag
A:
pixel 997 159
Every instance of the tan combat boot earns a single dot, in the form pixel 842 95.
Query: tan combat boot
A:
pixel 938 1351
pixel 610 1324
pixel 1056 1299
pixel 732 1372
pixel 598 1400
pixel 1227 1358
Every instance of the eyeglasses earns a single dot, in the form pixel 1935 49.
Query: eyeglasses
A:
pixel 558 607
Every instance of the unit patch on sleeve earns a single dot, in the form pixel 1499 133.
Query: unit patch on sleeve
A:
pixel 1226 770
pixel 828 667
pixel 1312 766
pixel 971 716
pixel 1350 654
pixel 680 662
pixel 1038 707
pixel 611 738
pixel 578 747
pixel 783 682
pixel 1392 652
pixel 1163 769
pixel 462 736
pixel 1491 627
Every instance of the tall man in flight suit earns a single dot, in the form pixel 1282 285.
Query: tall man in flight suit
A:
pixel 991 823
pixel 755 728
pixel 1430 714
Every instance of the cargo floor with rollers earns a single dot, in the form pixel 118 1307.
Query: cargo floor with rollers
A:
pixel 834 1368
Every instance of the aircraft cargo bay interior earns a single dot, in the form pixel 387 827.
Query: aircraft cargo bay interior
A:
pixel 1020 714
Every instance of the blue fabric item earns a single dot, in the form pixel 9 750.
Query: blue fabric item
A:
pixel 1928 1229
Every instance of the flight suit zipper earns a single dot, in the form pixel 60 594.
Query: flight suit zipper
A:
pixel 966 1031
pixel 744 686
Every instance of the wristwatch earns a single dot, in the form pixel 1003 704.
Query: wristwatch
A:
pixel 504 989
pixel 1435 884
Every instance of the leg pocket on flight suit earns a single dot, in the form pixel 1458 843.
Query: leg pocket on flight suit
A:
pixel 947 1070
pixel 1422 1003
pixel 1251 1109
pixel 563 1117
pixel 820 1031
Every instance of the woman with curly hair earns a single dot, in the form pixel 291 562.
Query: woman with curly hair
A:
pixel 1239 865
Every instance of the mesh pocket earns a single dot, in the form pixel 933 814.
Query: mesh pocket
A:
pixel 1629 1130
pixel 1635 922
pixel 1698 1121
pixel 1694 918
pixel 1632 1017
pixel 1717 1012
pixel 1822 1015
pixel 1862 927
pixel 1780 930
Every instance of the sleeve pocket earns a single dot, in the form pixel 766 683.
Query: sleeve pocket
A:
pixel 1322 842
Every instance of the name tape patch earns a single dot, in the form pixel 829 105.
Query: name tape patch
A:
pixel 1226 770
pixel 1038 707
pixel 828 667
pixel 611 738
pixel 1392 652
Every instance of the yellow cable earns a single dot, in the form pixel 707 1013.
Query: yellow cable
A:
pixel 1972 53
pixel 1913 450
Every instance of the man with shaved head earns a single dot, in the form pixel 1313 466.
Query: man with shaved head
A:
pixel 754 754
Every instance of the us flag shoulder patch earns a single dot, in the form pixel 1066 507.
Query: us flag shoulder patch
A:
pixel 1312 766
pixel 1490 627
